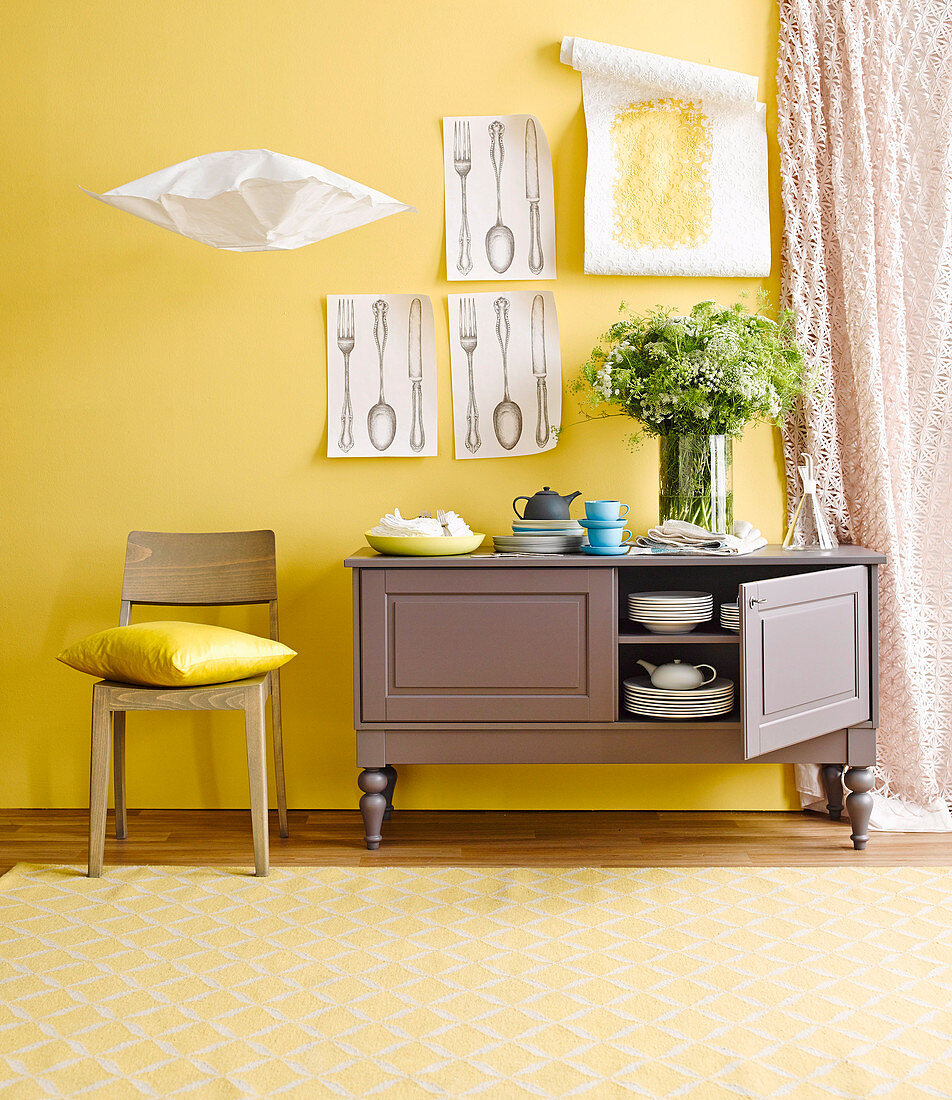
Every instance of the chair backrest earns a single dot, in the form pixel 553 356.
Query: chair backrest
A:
pixel 210 568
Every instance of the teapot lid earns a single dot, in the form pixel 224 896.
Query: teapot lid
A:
pixel 545 491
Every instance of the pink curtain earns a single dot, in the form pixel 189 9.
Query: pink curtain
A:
pixel 865 130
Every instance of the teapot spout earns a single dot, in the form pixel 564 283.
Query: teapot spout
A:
pixel 648 666
pixel 568 499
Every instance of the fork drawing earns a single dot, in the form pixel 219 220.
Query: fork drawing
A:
pixel 463 162
pixel 345 343
pixel 467 341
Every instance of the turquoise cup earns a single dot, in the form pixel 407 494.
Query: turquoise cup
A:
pixel 609 536
pixel 605 509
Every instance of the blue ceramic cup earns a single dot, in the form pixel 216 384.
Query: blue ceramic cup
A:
pixel 608 536
pixel 605 509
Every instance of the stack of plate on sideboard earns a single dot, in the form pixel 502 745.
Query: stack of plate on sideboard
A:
pixel 541 536
pixel 711 701
pixel 670 612
pixel 730 617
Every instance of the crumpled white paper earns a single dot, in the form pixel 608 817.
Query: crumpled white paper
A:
pixel 252 200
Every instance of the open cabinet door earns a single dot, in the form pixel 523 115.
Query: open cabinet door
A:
pixel 804 656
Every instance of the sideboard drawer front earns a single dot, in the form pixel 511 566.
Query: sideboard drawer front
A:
pixel 506 645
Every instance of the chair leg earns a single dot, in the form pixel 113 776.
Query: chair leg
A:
pixel 98 782
pixel 119 771
pixel 278 739
pixel 257 777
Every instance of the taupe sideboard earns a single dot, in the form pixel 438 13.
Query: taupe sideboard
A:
pixel 488 659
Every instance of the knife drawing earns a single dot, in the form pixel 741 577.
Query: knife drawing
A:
pixel 537 338
pixel 536 260
pixel 415 364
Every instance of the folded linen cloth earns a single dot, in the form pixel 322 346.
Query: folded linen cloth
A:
pixel 395 524
pixel 676 536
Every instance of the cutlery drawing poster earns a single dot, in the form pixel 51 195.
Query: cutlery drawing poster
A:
pixel 497 183
pixel 506 367
pixel 381 376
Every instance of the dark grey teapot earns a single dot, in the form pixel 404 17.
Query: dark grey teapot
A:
pixel 546 504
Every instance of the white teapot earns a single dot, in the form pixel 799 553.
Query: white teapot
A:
pixel 678 677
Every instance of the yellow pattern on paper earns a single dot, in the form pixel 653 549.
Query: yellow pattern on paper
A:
pixel 662 187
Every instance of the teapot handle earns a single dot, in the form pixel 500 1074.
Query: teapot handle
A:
pixel 711 679
pixel 516 510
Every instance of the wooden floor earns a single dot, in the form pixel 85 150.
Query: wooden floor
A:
pixel 536 838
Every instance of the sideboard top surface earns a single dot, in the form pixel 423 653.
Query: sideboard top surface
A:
pixel 365 558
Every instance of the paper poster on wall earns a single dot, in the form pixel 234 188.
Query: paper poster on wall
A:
pixel 381 376
pixel 500 212
pixel 507 373
pixel 677 165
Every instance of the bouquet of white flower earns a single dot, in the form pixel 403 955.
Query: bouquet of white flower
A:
pixel 710 372
pixel 695 381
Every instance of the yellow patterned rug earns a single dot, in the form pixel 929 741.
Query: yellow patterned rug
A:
pixel 496 983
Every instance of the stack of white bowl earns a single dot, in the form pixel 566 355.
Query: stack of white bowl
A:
pixel 730 617
pixel 670 612
pixel 541 536
pixel 710 701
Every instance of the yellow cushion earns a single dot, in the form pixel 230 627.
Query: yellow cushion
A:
pixel 172 654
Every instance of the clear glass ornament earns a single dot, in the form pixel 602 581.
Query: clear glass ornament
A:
pixel 809 529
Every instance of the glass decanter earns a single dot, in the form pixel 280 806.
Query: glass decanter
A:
pixel 809 529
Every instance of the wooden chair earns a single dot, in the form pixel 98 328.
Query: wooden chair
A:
pixel 214 569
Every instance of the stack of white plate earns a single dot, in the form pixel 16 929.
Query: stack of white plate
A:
pixel 541 536
pixel 711 701
pixel 670 612
pixel 730 617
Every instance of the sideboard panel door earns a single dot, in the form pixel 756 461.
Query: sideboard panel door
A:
pixel 499 645
pixel 805 656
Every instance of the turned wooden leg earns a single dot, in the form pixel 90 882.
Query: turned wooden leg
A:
pixel 833 785
pixel 859 804
pixel 391 773
pixel 373 803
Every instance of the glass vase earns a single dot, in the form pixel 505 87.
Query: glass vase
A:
pixel 695 480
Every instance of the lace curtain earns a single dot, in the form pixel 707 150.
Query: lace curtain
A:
pixel 865 131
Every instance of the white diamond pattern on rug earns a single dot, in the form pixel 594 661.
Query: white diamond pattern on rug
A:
pixel 482 982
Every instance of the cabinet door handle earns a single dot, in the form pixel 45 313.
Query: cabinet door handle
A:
pixel 753 603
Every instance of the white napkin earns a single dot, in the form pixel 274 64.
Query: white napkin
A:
pixel 677 536
pixel 395 524
pixel 251 200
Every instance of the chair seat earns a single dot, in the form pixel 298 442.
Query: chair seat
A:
pixel 231 695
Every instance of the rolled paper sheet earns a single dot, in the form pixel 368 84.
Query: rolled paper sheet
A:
pixel 677 165
pixel 252 200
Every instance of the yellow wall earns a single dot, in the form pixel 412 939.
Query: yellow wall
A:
pixel 151 382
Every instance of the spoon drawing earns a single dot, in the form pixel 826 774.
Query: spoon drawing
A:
pixel 500 243
pixel 507 416
pixel 381 420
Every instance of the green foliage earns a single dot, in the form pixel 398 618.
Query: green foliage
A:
pixel 711 372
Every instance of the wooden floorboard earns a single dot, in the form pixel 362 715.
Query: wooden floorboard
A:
pixel 470 838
